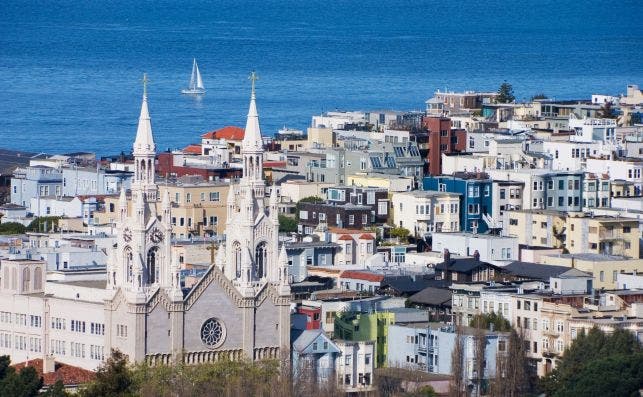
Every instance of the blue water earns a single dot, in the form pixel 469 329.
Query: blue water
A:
pixel 70 71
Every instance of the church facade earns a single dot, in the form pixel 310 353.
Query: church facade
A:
pixel 239 309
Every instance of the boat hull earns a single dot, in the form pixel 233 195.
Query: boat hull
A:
pixel 193 92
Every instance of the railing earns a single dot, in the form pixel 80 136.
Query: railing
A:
pixel 212 356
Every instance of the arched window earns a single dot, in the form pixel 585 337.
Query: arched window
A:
pixel 26 279
pixel 128 263
pixel 236 251
pixel 37 278
pixel 153 264
pixel 261 260
pixel 149 170
pixel 6 278
pixel 142 170
pixel 14 279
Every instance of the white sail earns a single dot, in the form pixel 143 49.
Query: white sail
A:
pixel 196 83
pixel 199 81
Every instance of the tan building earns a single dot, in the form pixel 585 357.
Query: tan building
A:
pixel 604 268
pixel 321 137
pixel 577 232
pixel 198 207
pixel 602 235
pixel 542 228
pixel 394 183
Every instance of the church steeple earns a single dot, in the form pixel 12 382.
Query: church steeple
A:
pixel 252 145
pixel 144 153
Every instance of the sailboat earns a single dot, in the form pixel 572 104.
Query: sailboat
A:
pixel 196 83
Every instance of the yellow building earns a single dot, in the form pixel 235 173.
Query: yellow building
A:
pixel 321 137
pixel 604 268
pixel 542 228
pixel 602 235
pixel 198 207
pixel 578 233
pixel 622 188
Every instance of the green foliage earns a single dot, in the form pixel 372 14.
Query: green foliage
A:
pixel 43 224
pixel 505 93
pixel 424 391
pixel 113 379
pixel 311 199
pixel 56 390
pixel 598 364
pixel 401 233
pixel 287 224
pixel 484 321
pixel 539 96
pixel 25 383
pixel 607 111
pixel 12 228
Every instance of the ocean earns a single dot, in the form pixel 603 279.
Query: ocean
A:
pixel 71 71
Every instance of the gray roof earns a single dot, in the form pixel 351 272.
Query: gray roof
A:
pixel 535 270
pixel 432 296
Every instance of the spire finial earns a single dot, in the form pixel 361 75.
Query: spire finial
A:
pixel 145 81
pixel 253 78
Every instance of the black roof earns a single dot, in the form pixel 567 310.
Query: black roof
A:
pixel 406 284
pixel 535 270
pixel 432 296
pixel 464 265
pixel 289 177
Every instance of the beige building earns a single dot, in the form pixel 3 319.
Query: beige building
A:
pixel 298 189
pixel 541 228
pixel 605 268
pixel 198 207
pixel 321 137
pixel 577 232
pixel 394 183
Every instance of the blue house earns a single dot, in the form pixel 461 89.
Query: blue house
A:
pixel 475 197
pixel 313 355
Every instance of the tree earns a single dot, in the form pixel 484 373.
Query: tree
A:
pixel 287 224
pixel 539 96
pixel 505 93
pixel 485 321
pixel 457 386
pixel 12 228
pixel 607 111
pixel 113 379
pixel 608 365
pixel 401 233
pixel 25 383
pixel 43 224
pixel 57 390
pixel 512 375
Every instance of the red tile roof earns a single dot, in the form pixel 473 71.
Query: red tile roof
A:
pixel 345 237
pixel 274 163
pixel 68 374
pixel 354 274
pixel 230 133
pixel 366 236
pixel 194 148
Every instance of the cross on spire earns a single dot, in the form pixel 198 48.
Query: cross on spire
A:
pixel 253 78
pixel 145 81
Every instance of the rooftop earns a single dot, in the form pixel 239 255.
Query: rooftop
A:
pixel 68 374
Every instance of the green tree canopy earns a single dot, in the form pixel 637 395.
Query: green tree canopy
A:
pixel 43 224
pixel 485 321
pixel 607 111
pixel 12 228
pixel 113 379
pixel 615 360
pixel 287 224
pixel 505 93
pixel 400 232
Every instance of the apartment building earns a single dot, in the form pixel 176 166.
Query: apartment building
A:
pixel 425 212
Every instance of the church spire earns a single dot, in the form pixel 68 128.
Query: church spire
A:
pixel 252 140
pixel 144 142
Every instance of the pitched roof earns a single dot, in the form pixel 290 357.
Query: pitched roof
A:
pixel 406 284
pixel 309 336
pixel 194 148
pixel 345 237
pixel 464 265
pixel 366 236
pixel 358 275
pixel 68 374
pixel 230 133
pixel 432 296
pixel 535 270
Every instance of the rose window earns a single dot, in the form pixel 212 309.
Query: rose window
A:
pixel 212 332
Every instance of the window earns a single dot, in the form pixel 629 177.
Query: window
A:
pixel 188 197
pixel 502 194
pixel 348 360
pixel 382 207
pixel 351 219
pixel 202 196
pixel 367 359
pixel 602 275
pixel 214 196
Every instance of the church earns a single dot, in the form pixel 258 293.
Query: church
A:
pixel 240 308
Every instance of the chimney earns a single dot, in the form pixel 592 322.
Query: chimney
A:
pixel 476 255
pixel 48 364
pixel 447 255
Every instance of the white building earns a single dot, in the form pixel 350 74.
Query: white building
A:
pixel 355 366
pixel 592 129
pixel 497 250
pixel 628 169
pixel 142 310
pixel 425 212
